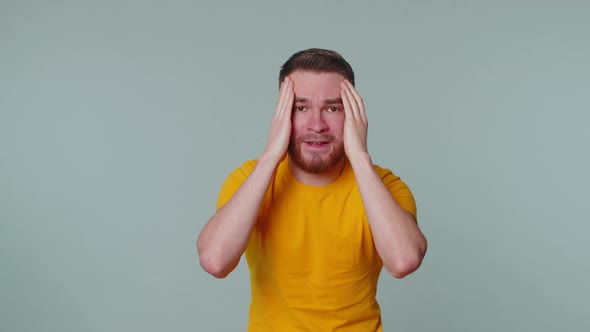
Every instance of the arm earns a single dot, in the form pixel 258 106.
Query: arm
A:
pixel 225 236
pixel 397 237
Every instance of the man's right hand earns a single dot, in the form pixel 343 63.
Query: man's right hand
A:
pixel 280 129
pixel 224 238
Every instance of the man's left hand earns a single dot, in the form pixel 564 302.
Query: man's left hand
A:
pixel 355 123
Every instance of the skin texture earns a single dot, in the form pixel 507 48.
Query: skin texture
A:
pixel 318 117
pixel 319 120
pixel 398 239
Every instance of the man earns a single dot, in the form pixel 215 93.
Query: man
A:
pixel 315 218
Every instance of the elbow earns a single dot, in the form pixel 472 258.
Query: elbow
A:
pixel 213 266
pixel 405 266
pixel 213 269
pixel 408 263
pixel 210 263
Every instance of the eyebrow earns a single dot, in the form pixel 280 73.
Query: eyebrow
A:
pixel 326 101
pixel 334 101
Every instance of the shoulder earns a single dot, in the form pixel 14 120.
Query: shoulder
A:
pixel 234 180
pixel 242 172
pixel 381 170
pixel 393 182
pixel 384 172
pixel 246 167
pixel 398 189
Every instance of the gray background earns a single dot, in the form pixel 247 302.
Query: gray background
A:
pixel 120 120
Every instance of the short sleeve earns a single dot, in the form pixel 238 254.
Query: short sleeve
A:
pixel 233 182
pixel 399 190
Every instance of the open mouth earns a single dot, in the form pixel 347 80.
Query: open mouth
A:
pixel 317 143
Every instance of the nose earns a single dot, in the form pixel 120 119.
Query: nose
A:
pixel 316 122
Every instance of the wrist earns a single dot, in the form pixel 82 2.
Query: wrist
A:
pixel 267 161
pixel 361 161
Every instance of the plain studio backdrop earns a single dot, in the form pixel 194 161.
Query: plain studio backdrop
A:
pixel 120 120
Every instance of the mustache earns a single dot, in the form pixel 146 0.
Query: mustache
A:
pixel 316 137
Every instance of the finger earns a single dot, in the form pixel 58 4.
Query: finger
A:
pixel 348 115
pixel 288 107
pixel 359 101
pixel 351 101
pixel 288 102
pixel 282 97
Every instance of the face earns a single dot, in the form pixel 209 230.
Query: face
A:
pixel 317 121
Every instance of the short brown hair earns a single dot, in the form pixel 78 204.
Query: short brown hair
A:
pixel 317 60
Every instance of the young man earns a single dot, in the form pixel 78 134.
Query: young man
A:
pixel 315 218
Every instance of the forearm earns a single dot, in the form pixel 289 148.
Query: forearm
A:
pixel 225 236
pixel 397 237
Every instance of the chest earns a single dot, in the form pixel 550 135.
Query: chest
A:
pixel 326 234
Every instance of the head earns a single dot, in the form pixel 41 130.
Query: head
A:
pixel 316 144
pixel 317 60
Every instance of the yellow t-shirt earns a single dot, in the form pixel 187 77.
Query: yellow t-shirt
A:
pixel 313 265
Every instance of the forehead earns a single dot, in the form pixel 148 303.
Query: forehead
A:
pixel 310 84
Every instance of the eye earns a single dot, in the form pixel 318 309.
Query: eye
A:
pixel 332 109
pixel 300 108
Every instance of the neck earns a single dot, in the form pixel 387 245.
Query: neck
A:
pixel 319 179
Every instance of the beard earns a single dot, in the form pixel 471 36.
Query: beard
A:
pixel 319 161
